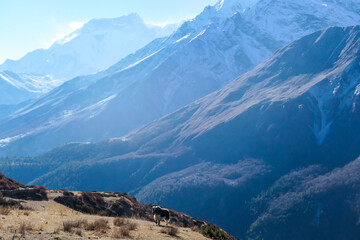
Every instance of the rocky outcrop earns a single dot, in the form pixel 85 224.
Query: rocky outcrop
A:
pixel 14 189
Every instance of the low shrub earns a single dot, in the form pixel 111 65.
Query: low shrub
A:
pixel 78 232
pixel 26 212
pixel 124 231
pixel 9 203
pixel 214 233
pixel 4 210
pixel 123 228
pixel 24 227
pixel 116 233
pixel 172 231
pixel 92 198
pixel 69 225
pixel 4 185
pixel 67 193
pixel 132 226
pixel 118 222
pixel 86 209
pixel 43 191
pixel 100 225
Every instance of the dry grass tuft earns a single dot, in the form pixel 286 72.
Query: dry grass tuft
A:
pixel 56 231
pixel 80 223
pixel 24 227
pixel 26 208
pixel 69 225
pixel 195 229
pixel 78 232
pixel 118 221
pixel 26 213
pixel 124 228
pixel 132 226
pixel 100 225
pixel 172 231
pixel 4 210
pixel 121 232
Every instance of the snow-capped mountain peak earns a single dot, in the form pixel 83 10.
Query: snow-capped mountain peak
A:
pixel 232 6
pixel 203 55
pixel 96 46
pixel 106 23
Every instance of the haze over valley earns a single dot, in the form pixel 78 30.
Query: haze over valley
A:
pixel 246 115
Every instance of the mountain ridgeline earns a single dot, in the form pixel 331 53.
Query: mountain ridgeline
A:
pixel 272 155
pixel 201 56
pixel 95 46
pixel 18 88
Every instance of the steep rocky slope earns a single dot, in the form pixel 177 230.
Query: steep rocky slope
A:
pixel 203 55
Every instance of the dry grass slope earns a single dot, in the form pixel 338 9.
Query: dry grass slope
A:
pixel 50 220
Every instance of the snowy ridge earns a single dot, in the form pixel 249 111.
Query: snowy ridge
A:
pixel 16 88
pixel 94 47
pixel 229 7
pixel 290 20
pixel 201 56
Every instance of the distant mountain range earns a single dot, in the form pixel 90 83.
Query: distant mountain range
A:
pixel 96 46
pixel 272 154
pixel 203 55
pixel 17 88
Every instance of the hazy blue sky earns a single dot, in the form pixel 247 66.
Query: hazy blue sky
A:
pixel 26 25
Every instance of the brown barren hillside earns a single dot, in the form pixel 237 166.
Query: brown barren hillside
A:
pixel 90 215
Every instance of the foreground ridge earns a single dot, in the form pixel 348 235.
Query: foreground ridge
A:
pixel 62 214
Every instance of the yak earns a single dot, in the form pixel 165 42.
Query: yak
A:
pixel 161 214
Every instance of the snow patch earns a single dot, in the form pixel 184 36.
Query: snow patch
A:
pixel 183 38
pixel 96 108
pixel 5 141
pixel 357 90
pixel 67 39
pixel 201 33
pixel 8 80
pixel 336 89
pixel 123 139
pixel 219 5
pixel 136 63
pixel 67 113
